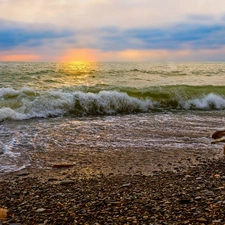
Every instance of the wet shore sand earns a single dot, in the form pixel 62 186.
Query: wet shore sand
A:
pixel 123 186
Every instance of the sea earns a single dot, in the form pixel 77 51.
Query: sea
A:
pixel 108 105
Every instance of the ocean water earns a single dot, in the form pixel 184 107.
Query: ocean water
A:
pixel 155 106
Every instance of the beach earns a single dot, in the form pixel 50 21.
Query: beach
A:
pixel 88 192
pixel 122 185
pixel 111 143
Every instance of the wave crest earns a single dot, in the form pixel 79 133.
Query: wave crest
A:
pixel 23 105
pixel 28 103
pixel 206 102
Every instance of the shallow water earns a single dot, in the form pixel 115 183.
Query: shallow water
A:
pixel 152 132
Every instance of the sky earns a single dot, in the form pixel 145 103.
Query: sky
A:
pixel 112 30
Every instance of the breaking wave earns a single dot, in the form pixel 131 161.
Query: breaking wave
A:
pixel 29 103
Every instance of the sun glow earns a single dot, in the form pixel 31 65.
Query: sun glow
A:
pixel 79 55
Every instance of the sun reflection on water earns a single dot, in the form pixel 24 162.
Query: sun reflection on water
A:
pixel 77 73
pixel 76 68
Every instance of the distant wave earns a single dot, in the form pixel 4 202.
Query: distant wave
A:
pixel 29 103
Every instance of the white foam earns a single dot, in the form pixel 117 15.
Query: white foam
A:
pixel 58 103
pixel 45 104
pixel 12 168
pixel 111 102
pixel 8 91
pixel 206 102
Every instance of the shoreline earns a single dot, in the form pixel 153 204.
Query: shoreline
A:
pixel 63 195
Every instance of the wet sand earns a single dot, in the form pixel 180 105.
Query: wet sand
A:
pixel 90 162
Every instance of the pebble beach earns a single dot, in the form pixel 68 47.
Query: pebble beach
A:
pixel 59 193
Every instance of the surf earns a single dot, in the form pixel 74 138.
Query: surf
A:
pixel 28 103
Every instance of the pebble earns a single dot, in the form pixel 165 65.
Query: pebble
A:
pixel 22 174
pixel 66 182
pixel 217 221
pixel 145 217
pixel 201 219
pixel 126 185
pixel 209 193
pixel 3 213
pixel 52 179
pixel 198 198
pixel 40 210
pixel 62 165
pixel 184 201
pixel 220 188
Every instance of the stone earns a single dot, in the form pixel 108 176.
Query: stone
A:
pixel 219 188
pixel 217 176
pixel 62 165
pixel 208 193
pixel 40 210
pixel 201 219
pixel 126 185
pixel 22 174
pixel 66 182
pixel 52 179
pixel 3 213
pixel 184 201
pixel 217 221
pixel 145 217
pixel 198 198
pixel 218 134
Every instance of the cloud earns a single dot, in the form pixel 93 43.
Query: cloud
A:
pixel 14 34
pixel 56 44
pixel 55 29
pixel 178 36
pixel 19 57
pixel 89 14
pixel 156 55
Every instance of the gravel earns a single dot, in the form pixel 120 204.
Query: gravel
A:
pixel 194 196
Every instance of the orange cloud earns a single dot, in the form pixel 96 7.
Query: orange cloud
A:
pixel 19 57
pixel 161 55
pixel 94 55
pixel 88 55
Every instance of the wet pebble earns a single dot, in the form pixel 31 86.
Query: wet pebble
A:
pixel 66 182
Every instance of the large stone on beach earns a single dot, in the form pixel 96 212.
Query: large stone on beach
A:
pixel 3 213
pixel 218 140
pixel 218 134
